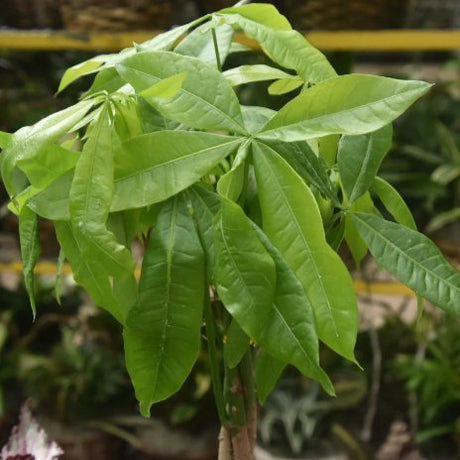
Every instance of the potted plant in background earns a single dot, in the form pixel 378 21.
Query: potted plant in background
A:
pixel 241 208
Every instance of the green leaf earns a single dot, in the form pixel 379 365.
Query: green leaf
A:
pixel 311 168
pixel 244 272
pixel 156 166
pixel 205 101
pixel 442 219
pixel 90 273
pixel 292 221
pixel 27 142
pixel 328 146
pixel 90 198
pixel 288 48
pixel 256 117
pixel 162 337
pixel 199 43
pixel 264 14
pixel 348 104
pixel 292 322
pixel 285 85
pixel 393 203
pixel 254 73
pixel 355 243
pixel 107 80
pixel 268 372
pixel 83 68
pixel 30 250
pixel 359 159
pixel 235 345
pixel 413 259
pixel 4 139
pixel 166 88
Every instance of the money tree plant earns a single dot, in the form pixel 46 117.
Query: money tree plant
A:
pixel 241 209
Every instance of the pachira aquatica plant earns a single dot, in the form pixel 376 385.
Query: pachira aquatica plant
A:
pixel 242 208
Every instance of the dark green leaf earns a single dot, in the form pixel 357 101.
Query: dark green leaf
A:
pixel 268 372
pixel 235 346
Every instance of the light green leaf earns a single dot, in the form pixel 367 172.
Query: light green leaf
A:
pixel 205 101
pixel 27 142
pixel 288 48
pixel 166 88
pixel 90 273
pixel 19 201
pixel 285 85
pixel 264 14
pixel 156 166
pixel 292 322
pixel 83 68
pixel 393 203
pixel 30 250
pixel 4 139
pixel 107 80
pixel 328 146
pixel 413 259
pixel 359 159
pixel 199 43
pixel 268 372
pixel 348 104
pixel 292 221
pixel 162 337
pixel 90 198
pixel 355 243
pixel 254 73
pixel 311 168
pixel 256 117
pixel 235 345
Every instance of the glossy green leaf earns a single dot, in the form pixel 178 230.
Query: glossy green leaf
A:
pixel 268 372
pixel 311 168
pixel 285 85
pixel 156 166
pixel 359 159
pixel 254 73
pixel 166 88
pixel 355 243
pixel 413 259
pixel 292 221
pixel 264 14
pixel 288 48
pixel 75 72
pixel 393 203
pixel 30 250
pixel 199 43
pixel 235 345
pixel 205 101
pixel 162 337
pixel 27 142
pixel 90 273
pixel 90 198
pixel 348 104
pixel 292 322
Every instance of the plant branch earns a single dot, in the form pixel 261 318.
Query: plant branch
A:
pixel 216 49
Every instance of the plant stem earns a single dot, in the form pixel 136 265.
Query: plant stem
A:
pixel 216 49
pixel 214 362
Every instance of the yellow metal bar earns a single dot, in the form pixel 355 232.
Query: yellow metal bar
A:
pixel 356 40
pixel 361 286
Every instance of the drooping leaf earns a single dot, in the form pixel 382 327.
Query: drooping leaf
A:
pixel 254 73
pixel 205 101
pixel 83 68
pixel 156 166
pixel 292 221
pixel 285 85
pixel 413 259
pixel 311 168
pixel 268 372
pixel 359 159
pixel 90 198
pixel 162 337
pixel 393 202
pixel 199 43
pixel 30 250
pixel 235 345
pixel 27 142
pixel 348 104
pixel 288 48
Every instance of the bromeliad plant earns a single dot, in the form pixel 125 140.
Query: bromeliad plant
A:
pixel 243 208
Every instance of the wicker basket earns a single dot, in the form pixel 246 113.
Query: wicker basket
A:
pixel 116 14
pixel 31 14
pixel 346 14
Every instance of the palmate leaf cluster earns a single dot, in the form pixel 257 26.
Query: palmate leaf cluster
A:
pixel 242 202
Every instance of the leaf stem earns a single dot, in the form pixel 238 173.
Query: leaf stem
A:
pixel 214 362
pixel 216 49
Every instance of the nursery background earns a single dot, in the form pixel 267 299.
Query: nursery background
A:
pixel 68 362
